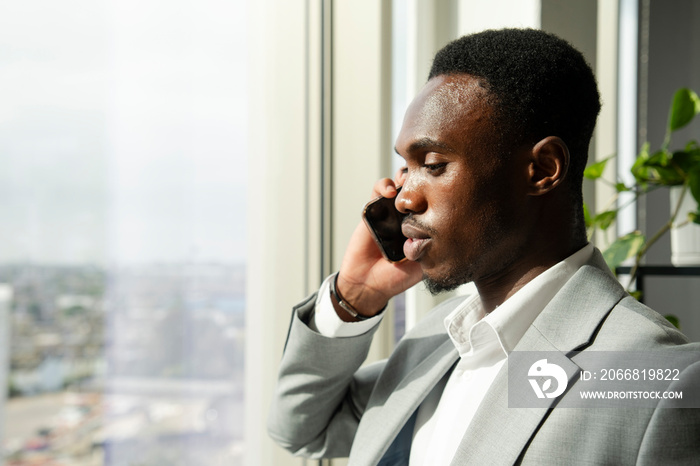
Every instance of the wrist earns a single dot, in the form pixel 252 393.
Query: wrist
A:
pixel 359 306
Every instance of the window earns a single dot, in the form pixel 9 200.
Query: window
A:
pixel 124 142
pixel 141 271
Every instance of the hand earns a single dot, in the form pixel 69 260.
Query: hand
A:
pixel 366 280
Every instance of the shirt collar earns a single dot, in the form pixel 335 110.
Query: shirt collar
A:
pixel 473 331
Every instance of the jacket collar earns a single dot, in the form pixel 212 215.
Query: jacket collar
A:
pixel 569 322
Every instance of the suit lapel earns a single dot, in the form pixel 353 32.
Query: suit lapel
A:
pixel 499 434
pixel 382 422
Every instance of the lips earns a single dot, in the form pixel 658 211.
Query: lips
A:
pixel 415 245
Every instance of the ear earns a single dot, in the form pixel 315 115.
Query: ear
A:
pixel 548 165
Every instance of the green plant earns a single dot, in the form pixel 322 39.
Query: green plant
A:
pixel 662 168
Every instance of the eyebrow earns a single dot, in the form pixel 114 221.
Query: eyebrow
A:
pixel 425 143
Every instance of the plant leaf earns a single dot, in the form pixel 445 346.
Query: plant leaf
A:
pixel 657 169
pixel 667 176
pixel 621 187
pixel 595 170
pixel 694 217
pixel 694 183
pixel 692 146
pixel 674 320
pixel 638 169
pixel 685 160
pixel 623 248
pixel 684 107
pixel 587 216
pixel 605 219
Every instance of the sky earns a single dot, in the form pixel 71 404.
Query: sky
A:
pixel 122 131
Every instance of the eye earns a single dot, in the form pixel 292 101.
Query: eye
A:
pixel 435 168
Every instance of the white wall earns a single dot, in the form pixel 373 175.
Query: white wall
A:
pixel 276 209
pixel 319 138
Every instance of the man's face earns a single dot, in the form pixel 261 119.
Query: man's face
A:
pixel 466 202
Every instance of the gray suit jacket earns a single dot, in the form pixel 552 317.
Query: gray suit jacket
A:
pixel 327 406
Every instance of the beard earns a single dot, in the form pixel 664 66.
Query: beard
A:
pixel 440 285
pixel 465 272
pixel 437 287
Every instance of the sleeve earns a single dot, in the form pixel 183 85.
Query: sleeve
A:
pixel 325 321
pixel 321 391
pixel 673 434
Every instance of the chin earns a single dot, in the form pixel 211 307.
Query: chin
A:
pixel 436 285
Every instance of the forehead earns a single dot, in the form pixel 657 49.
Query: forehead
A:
pixel 453 110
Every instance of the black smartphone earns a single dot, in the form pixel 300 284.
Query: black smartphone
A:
pixel 384 222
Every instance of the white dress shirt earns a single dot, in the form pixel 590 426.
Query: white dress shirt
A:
pixel 483 342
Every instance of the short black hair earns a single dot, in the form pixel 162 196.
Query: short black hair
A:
pixel 539 86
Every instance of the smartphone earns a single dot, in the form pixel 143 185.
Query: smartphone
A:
pixel 384 222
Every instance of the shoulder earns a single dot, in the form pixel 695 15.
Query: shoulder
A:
pixel 631 325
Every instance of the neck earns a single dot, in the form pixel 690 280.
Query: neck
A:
pixel 496 288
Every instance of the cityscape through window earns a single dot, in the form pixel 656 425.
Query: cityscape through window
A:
pixel 122 247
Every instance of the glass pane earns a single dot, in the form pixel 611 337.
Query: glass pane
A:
pixel 400 99
pixel 122 273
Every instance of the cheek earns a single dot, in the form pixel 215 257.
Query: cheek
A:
pixel 483 216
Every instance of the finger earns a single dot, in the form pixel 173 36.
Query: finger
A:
pixel 385 188
pixel 400 176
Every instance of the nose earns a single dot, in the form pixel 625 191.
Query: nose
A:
pixel 410 200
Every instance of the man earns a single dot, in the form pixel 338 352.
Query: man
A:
pixel 495 146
